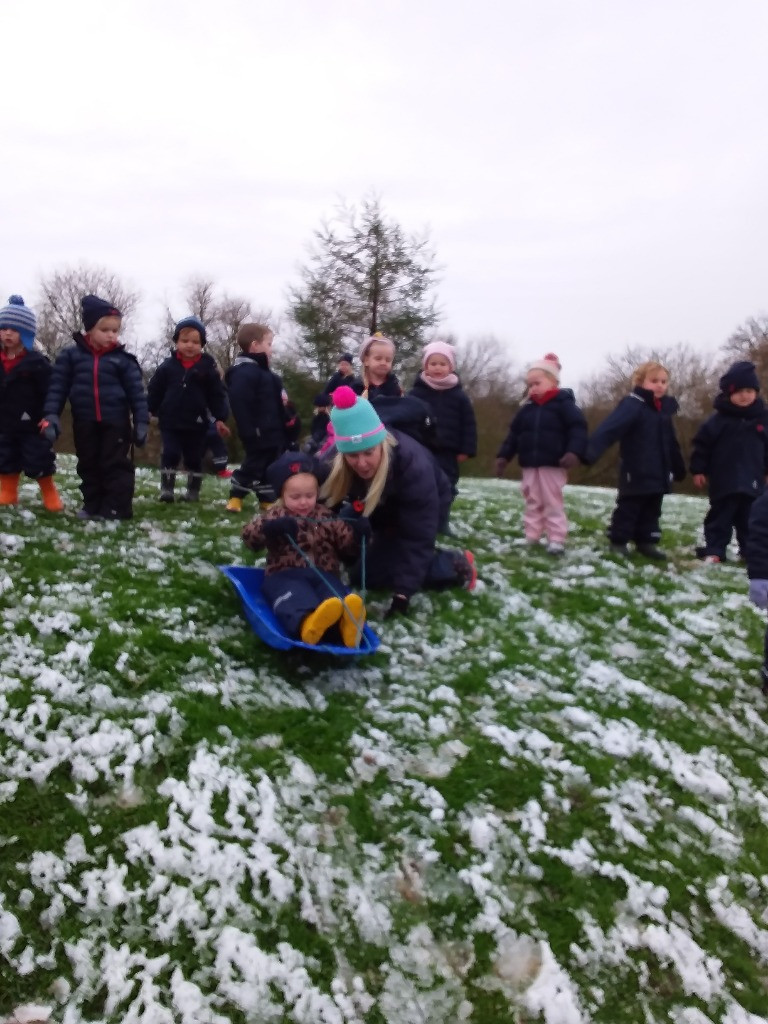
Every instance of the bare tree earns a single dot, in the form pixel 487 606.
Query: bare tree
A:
pixel 221 314
pixel 58 307
pixel 486 369
pixel 692 378
pixel 750 341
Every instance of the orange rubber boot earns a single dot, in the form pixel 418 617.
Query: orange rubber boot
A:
pixel 9 488
pixel 51 498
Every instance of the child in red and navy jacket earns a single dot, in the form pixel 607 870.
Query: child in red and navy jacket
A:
pixel 103 383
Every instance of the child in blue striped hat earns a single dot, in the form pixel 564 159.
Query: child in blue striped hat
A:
pixel 24 377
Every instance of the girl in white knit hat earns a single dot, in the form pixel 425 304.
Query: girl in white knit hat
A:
pixel 549 437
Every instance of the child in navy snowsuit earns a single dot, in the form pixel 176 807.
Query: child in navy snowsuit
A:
pixel 730 455
pixel 549 437
pixel 650 459
pixel 103 383
pixel 455 428
pixel 24 377
pixel 304 542
pixel 183 390
pixel 266 422
pixel 344 373
pixel 756 553
pixel 376 357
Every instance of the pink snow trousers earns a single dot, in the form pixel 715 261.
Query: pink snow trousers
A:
pixel 544 513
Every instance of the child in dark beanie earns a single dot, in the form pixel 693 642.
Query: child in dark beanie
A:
pixel 730 457
pixel 24 377
pixel 103 383
pixel 182 391
pixel 650 459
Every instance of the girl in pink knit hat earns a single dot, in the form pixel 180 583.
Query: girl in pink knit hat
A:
pixel 549 437
pixel 455 427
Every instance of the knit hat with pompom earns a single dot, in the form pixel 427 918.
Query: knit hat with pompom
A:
pixel 356 423
pixel 548 364
pixel 18 317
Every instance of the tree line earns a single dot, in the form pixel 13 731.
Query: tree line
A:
pixel 365 273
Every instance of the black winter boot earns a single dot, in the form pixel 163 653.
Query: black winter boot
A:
pixel 167 484
pixel 651 551
pixel 619 549
pixel 194 482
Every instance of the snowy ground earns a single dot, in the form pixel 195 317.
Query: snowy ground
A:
pixel 544 801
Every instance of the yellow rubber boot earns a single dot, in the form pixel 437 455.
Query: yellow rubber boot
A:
pixel 320 620
pixel 352 621
pixel 9 488
pixel 235 505
pixel 51 497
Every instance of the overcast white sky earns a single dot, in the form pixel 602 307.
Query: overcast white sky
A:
pixel 592 174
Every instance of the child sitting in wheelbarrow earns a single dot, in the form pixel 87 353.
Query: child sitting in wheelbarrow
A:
pixel 304 542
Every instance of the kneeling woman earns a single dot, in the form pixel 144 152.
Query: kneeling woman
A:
pixel 395 482
pixel 304 542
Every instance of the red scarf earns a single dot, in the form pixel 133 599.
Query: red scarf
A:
pixel 188 363
pixel 99 351
pixel 657 404
pixel 546 397
pixel 10 361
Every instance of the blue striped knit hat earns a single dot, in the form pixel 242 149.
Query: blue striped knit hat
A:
pixel 19 317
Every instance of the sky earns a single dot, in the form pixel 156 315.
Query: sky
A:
pixel 591 174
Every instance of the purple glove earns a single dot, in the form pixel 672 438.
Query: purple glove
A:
pixel 569 461
pixel 501 465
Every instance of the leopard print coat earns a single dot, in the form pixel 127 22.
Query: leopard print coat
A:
pixel 322 536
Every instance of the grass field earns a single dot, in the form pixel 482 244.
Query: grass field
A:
pixel 543 801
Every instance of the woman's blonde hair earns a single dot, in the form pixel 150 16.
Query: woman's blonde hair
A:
pixel 339 482
pixel 642 371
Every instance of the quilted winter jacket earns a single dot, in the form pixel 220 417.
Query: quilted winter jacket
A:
pixel 22 393
pixel 181 398
pixel 102 387
pixel 454 418
pixel 540 435
pixel 650 456
pixel 416 498
pixel 257 399
pixel 731 449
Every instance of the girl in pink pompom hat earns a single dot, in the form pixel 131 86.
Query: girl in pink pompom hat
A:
pixel 549 436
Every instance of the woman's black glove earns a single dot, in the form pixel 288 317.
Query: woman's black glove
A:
pixel 361 528
pixel 285 526
pixel 399 606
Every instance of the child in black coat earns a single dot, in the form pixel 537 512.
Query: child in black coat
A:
pixel 24 377
pixel 344 373
pixel 549 437
pixel 376 357
pixel 730 455
pixel 455 428
pixel 318 429
pixel 265 419
pixel 650 459
pixel 182 391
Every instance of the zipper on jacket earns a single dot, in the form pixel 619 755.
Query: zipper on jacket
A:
pixel 96 401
